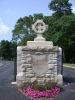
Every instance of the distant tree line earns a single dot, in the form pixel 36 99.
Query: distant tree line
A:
pixel 7 50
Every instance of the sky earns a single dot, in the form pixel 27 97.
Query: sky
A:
pixel 12 10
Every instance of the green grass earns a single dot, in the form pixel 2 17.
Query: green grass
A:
pixel 68 64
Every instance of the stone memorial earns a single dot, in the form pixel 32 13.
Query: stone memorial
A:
pixel 39 59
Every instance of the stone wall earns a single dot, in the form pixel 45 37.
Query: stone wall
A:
pixel 27 69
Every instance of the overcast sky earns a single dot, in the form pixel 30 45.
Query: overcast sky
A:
pixel 12 10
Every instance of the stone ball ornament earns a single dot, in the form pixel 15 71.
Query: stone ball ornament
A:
pixel 39 27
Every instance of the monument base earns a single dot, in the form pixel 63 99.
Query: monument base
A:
pixel 38 64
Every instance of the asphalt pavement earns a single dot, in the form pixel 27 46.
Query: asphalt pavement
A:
pixel 69 85
pixel 10 92
pixel 7 90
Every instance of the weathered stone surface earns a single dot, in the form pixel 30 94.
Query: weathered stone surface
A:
pixel 39 64
pixel 27 69
pixel 52 56
pixel 52 61
pixel 48 72
pixel 27 65
pixel 40 44
pixel 27 79
pixel 30 65
pixel 23 69
pixel 50 66
pixel 41 81
pixel 29 50
pixel 60 79
pixel 48 75
pixel 29 75
pixel 33 79
pixel 27 61
pixel 39 60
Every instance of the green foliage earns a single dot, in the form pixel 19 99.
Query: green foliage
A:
pixel 41 87
pixel 22 31
pixel 61 28
pixel 7 50
pixel 25 85
pixel 63 34
pixel 13 50
pixel 60 7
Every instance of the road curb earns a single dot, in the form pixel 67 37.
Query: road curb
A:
pixel 69 66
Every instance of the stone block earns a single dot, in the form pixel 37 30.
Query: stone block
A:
pixel 19 82
pixel 52 56
pixel 52 79
pixel 60 79
pixel 33 79
pixel 48 79
pixel 27 69
pixel 48 75
pixel 49 72
pixel 26 55
pixel 26 65
pixel 41 81
pixel 40 44
pixel 50 66
pixel 27 79
pixel 20 76
pixel 23 69
pixel 52 75
pixel 29 75
pixel 52 61
pixel 26 61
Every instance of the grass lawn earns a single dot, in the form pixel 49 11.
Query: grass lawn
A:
pixel 68 64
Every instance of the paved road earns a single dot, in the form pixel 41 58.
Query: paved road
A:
pixel 6 72
pixel 8 91
pixel 69 85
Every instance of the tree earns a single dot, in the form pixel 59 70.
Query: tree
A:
pixel 61 28
pixel 13 50
pixel 7 50
pixel 60 7
pixel 63 34
pixel 23 28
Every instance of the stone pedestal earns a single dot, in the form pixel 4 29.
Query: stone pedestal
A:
pixel 38 64
pixel 39 60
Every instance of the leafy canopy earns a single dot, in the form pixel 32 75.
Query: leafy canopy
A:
pixel 60 7
pixel 61 28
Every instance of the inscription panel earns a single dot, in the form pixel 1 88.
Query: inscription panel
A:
pixel 39 64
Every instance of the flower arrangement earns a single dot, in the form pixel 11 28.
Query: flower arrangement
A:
pixel 36 90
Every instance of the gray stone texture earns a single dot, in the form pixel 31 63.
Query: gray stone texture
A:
pixel 39 59
pixel 49 71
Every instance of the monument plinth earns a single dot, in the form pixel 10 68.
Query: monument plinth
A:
pixel 39 59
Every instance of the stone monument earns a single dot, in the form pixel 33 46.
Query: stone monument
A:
pixel 39 59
